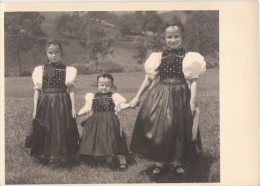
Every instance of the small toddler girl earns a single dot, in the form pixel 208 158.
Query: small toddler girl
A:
pixel 101 133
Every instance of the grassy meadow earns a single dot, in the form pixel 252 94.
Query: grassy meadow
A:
pixel 20 168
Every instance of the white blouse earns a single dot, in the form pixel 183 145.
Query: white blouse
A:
pixel 193 65
pixel 117 99
pixel 37 75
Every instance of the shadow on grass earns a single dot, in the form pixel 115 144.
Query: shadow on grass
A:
pixel 69 164
pixel 113 164
pixel 194 173
pixel 94 162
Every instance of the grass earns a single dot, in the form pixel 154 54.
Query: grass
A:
pixel 22 169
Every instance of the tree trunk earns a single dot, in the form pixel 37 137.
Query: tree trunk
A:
pixel 102 66
pixel 97 67
pixel 19 61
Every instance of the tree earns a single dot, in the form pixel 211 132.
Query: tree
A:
pixel 102 15
pixel 125 24
pixel 140 49
pixel 155 42
pixel 68 22
pixel 138 18
pixel 152 22
pixel 22 30
pixel 61 22
pixel 96 41
pixel 202 32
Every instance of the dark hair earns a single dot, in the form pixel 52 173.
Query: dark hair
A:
pixel 177 24
pixel 108 76
pixel 53 42
pixel 105 75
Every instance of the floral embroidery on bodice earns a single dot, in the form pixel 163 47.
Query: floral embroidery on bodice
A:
pixel 54 76
pixel 103 102
pixel 171 64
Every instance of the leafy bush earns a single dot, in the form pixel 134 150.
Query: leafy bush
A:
pixel 202 32
pixel 26 73
pixel 112 67
pixel 91 68
pixel 140 50
pixel 82 69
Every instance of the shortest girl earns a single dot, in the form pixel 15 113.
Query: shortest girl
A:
pixel 101 136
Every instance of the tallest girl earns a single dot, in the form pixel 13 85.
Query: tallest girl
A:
pixel 163 128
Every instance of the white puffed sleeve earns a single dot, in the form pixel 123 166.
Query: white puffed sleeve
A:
pixel 151 65
pixel 88 105
pixel 193 65
pixel 71 74
pixel 37 77
pixel 117 98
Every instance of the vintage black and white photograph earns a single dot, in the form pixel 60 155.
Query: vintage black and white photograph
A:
pixel 97 97
pixel 124 96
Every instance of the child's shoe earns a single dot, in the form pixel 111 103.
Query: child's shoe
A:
pixel 113 164
pixel 123 167
pixel 130 159
pixel 178 169
pixel 156 173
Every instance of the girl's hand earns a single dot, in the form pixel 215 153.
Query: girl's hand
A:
pixel 84 111
pixel 193 108
pixel 88 113
pixel 34 114
pixel 74 113
pixel 135 102
pixel 118 108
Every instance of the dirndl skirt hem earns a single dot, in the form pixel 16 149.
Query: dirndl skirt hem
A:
pixel 101 136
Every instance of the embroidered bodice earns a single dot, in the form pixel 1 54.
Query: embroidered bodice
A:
pixel 103 102
pixel 54 76
pixel 192 64
pixel 171 64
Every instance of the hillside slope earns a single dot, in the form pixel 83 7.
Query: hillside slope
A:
pixel 74 53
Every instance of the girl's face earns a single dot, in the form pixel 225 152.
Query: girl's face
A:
pixel 53 53
pixel 104 85
pixel 173 38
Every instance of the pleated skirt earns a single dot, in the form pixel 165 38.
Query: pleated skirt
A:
pixel 55 134
pixel 163 128
pixel 101 136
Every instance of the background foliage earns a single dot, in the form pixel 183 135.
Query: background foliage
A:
pixel 95 38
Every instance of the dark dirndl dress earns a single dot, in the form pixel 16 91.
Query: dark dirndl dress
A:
pixel 55 133
pixel 163 128
pixel 101 132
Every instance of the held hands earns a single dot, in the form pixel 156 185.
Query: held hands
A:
pixel 135 102
pixel 85 111
pixel 88 113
